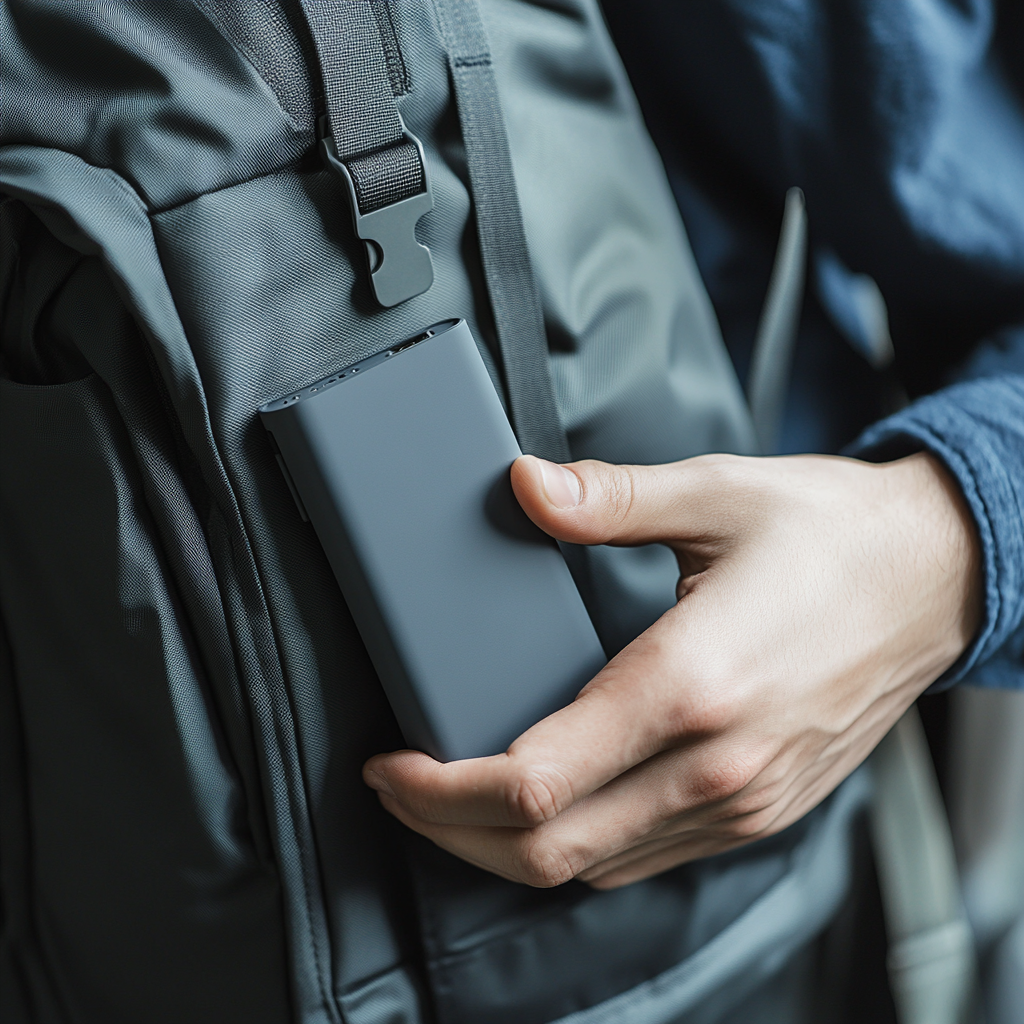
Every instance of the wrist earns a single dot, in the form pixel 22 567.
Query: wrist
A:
pixel 943 536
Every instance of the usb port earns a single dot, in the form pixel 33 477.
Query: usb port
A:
pixel 412 341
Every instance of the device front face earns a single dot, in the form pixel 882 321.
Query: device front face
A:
pixel 467 609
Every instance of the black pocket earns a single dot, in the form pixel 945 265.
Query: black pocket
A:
pixel 34 272
pixel 142 872
pixel 133 888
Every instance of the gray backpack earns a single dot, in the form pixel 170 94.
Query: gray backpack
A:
pixel 206 204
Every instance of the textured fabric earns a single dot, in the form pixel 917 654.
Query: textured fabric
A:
pixel 387 176
pixel 903 123
pixel 131 789
pixel 386 14
pixel 72 80
pixel 33 265
pixel 264 35
pixel 748 951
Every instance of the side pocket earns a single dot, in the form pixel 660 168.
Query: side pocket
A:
pixel 142 874
pixel 159 415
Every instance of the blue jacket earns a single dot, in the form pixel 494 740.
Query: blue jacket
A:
pixel 903 122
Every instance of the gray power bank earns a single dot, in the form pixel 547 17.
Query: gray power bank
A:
pixel 401 462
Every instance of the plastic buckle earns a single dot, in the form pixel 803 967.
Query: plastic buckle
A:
pixel 400 267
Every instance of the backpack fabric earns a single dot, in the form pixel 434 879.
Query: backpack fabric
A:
pixel 184 834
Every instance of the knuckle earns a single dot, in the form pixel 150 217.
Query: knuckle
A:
pixel 717 702
pixel 692 718
pixel 545 864
pixel 699 721
pixel 724 779
pixel 538 795
pixel 620 491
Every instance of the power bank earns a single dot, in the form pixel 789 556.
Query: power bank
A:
pixel 401 462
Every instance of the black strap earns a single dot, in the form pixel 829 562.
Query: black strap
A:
pixel 510 282
pixel 366 145
pixel 368 133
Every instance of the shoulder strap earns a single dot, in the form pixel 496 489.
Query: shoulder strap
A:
pixel 931 961
pixel 510 282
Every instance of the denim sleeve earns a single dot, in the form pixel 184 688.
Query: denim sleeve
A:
pixel 977 428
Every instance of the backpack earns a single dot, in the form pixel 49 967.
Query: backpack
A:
pixel 207 204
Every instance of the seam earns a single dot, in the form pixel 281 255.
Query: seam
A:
pixel 284 166
pixel 398 70
pixel 295 779
pixel 472 61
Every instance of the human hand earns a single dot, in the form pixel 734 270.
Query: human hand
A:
pixel 818 597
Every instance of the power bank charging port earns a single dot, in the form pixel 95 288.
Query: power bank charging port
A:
pixel 412 341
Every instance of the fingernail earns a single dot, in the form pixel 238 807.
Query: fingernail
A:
pixel 377 781
pixel 561 485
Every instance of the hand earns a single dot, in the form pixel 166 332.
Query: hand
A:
pixel 817 598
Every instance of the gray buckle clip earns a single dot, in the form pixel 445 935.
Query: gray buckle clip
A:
pixel 400 267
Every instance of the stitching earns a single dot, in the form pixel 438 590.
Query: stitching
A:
pixel 472 60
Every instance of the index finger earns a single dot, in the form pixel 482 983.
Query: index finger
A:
pixel 617 721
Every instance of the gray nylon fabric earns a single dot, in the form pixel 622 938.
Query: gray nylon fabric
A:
pixel 102 487
pixel 639 372
pixel 230 704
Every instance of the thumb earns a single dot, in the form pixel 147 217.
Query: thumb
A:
pixel 599 503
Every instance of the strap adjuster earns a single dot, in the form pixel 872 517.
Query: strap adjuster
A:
pixel 400 266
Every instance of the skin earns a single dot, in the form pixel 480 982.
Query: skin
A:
pixel 818 597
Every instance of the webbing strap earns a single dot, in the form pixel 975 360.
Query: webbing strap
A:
pixel 365 143
pixel 368 133
pixel 515 300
